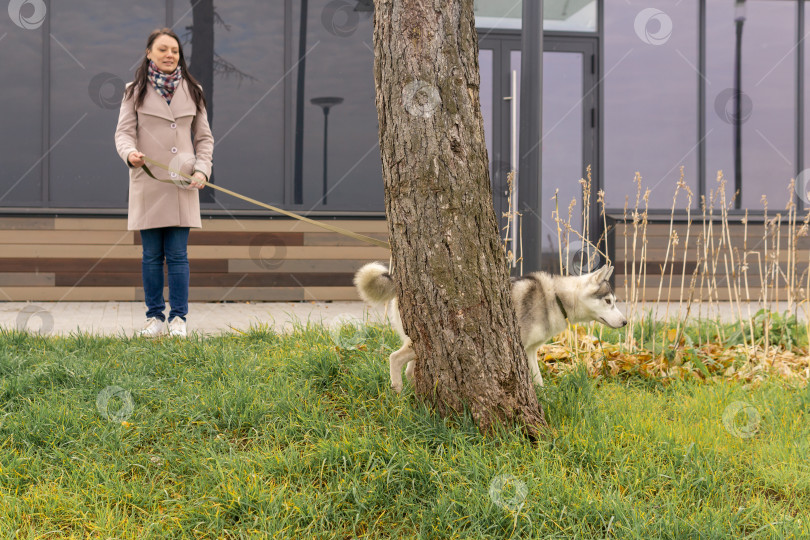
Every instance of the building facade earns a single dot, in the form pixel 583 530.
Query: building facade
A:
pixel 627 86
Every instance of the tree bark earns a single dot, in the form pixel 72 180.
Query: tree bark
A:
pixel 448 263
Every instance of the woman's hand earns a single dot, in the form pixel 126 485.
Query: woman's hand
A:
pixel 135 159
pixel 201 177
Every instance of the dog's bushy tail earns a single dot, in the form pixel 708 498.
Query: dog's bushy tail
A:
pixel 374 283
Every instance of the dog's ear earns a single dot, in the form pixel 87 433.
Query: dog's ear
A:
pixel 595 277
pixel 602 274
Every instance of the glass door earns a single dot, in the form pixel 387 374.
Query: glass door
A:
pixel 569 148
pixel 500 83
pixel 569 135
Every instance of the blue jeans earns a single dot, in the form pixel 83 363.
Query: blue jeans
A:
pixel 169 243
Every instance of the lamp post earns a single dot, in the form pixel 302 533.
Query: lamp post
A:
pixel 298 164
pixel 739 20
pixel 325 103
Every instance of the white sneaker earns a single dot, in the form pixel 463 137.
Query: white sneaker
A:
pixel 177 327
pixel 152 328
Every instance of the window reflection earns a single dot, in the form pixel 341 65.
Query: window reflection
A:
pixel 93 52
pixel 498 14
pixel 293 105
pixel 235 49
pixel 333 56
pixel 485 67
pixel 569 15
pixel 651 105
pixel 768 85
pixel 21 110
pixel 561 15
pixel 562 147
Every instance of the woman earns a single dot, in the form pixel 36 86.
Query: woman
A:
pixel 160 111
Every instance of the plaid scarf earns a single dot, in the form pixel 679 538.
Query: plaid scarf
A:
pixel 164 83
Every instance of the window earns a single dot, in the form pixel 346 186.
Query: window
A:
pixel 768 103
pixel 560 15
pixel 651 105
pixel 94 51
pixel 498 15
pixel 569 15
pixel 243 75
pixel 336 120
pixel 21 107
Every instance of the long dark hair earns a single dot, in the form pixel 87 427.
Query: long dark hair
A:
pixel 138 86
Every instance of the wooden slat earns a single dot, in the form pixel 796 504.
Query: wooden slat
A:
pixel 273 280
pixel 72 294
pixel 196 252
pixel 236 238
pixel 654 268
pixel 196 294
pixel 292 225
pixel 754 229
pixel 650 294
pixel 292 252
pixel 297 266
pixel 257 294
pixel 26 279
pixel 658 254
pixel 239 260
pixel 208 280
pixel 90 224
pixel 26 223
pixel 96 265
pixel 239 238
pixel 330 293
pixel 239 224
pixel 738 231
pixel 333 239
pixel 652 282
pixel 756 244
pixel 51 251
pixel 108 238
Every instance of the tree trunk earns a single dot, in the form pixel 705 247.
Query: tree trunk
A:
pixel 448 263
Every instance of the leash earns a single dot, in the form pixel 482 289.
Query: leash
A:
pixel 333 228
pixel 562 307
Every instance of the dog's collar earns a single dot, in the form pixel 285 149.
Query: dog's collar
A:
pixel 561 306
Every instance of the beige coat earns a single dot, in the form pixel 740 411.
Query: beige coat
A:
pixel 163 133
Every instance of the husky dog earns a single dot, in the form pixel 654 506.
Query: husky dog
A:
pixel 544 305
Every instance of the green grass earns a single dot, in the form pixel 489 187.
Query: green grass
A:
pixel 289 436
pixel 785 332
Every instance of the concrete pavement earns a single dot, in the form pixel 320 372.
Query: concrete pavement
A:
pixel 125 318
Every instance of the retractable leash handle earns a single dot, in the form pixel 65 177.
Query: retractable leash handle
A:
pixel 333 228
